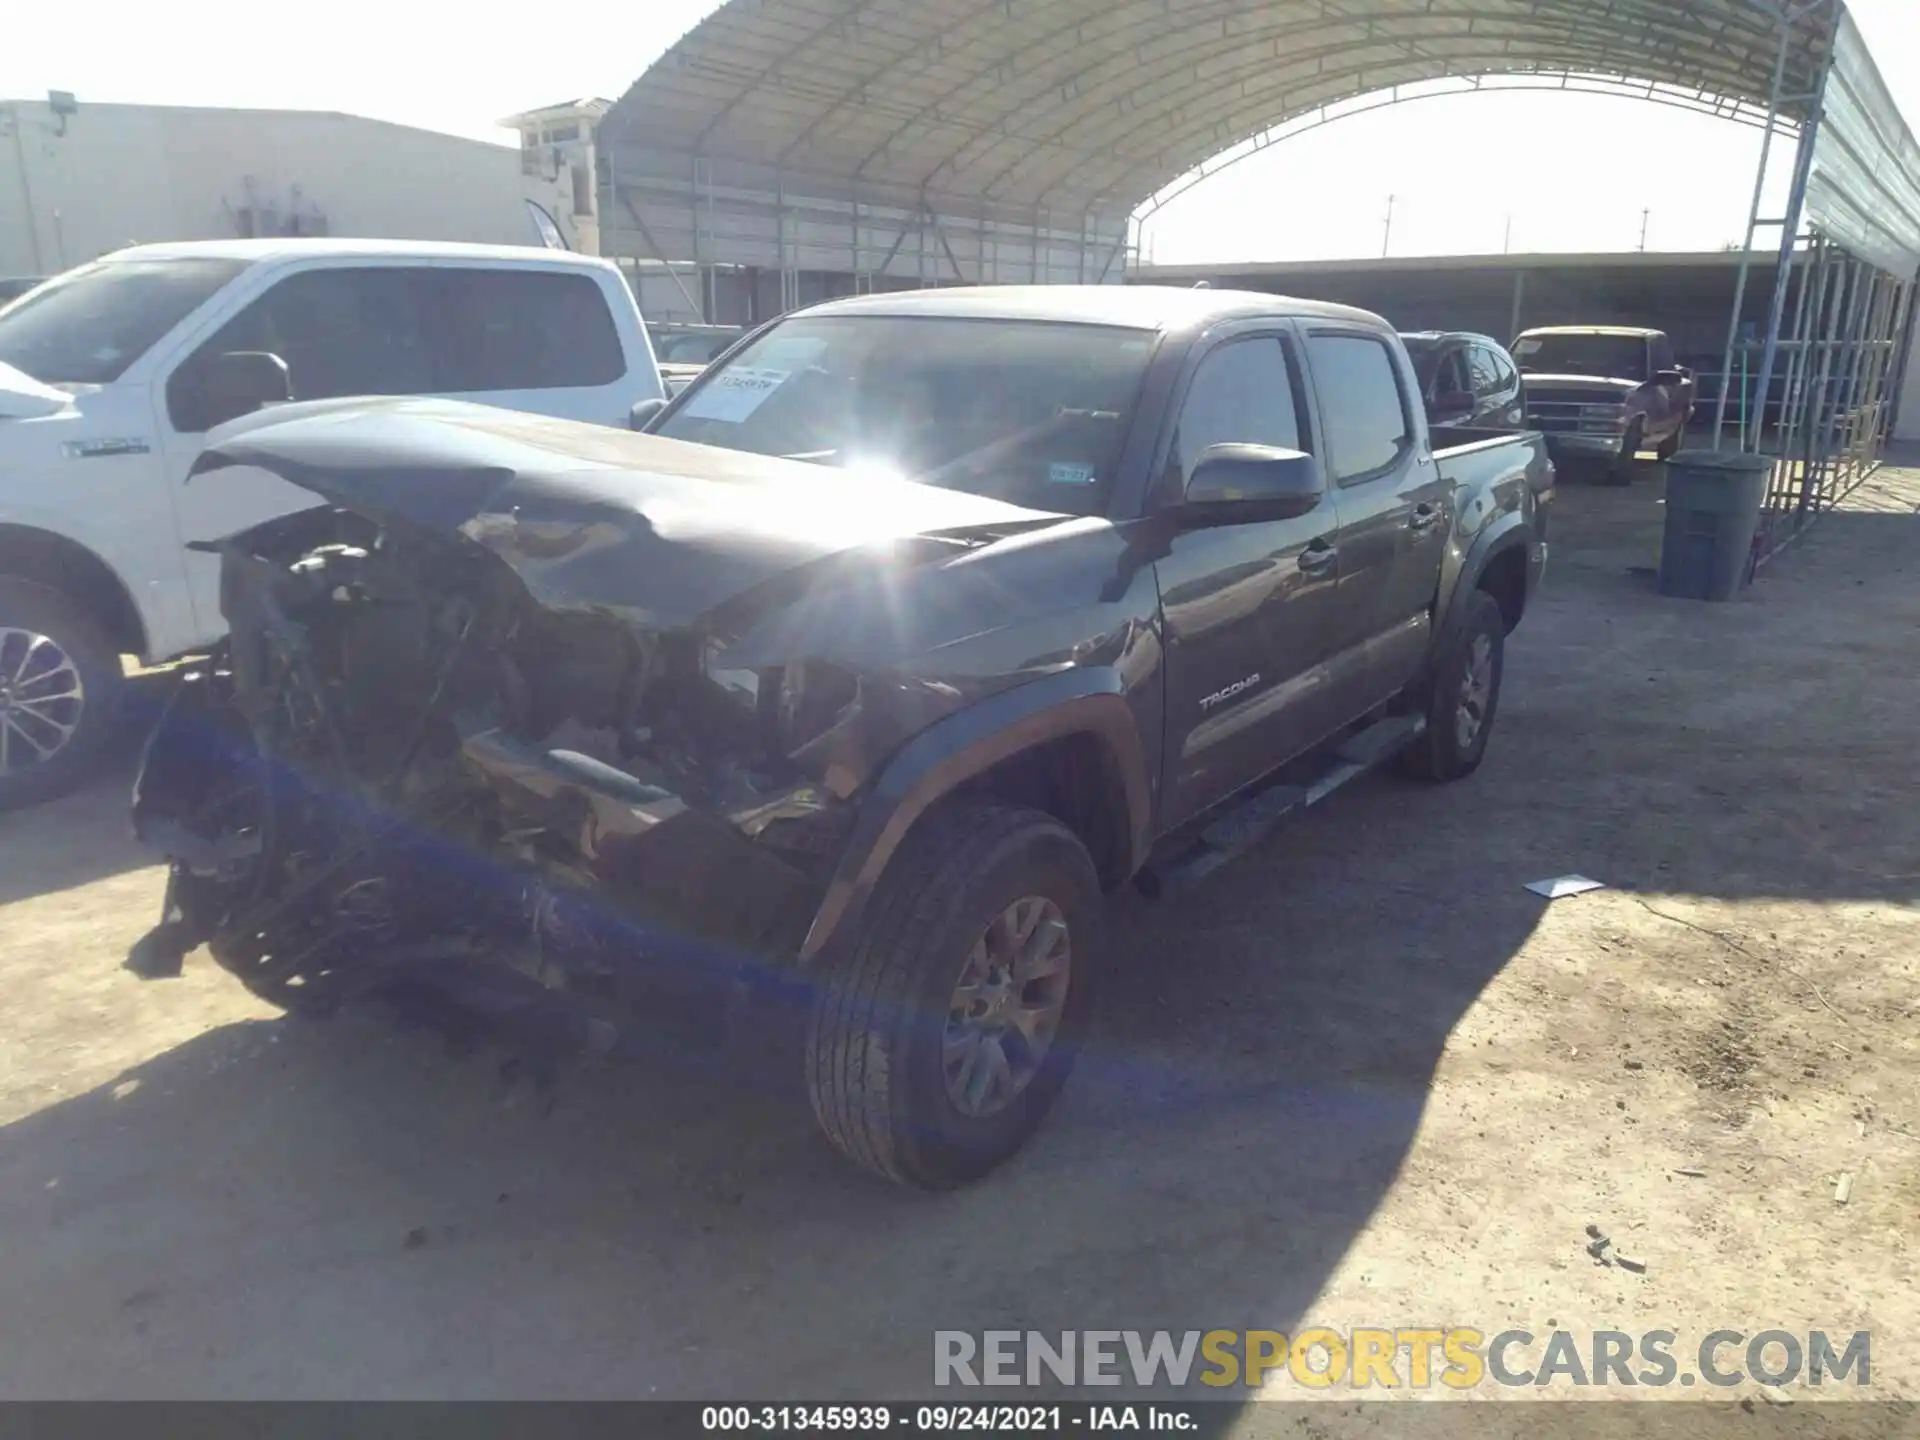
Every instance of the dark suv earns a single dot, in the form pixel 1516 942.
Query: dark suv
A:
pixel 1466 379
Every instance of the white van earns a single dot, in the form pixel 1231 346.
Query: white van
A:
pixel 111 374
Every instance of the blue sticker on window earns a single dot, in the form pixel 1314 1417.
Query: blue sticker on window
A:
pixel 1069 472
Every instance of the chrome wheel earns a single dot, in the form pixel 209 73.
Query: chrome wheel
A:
pixel 1476 691
pixel 1006 1007
pixel 41 699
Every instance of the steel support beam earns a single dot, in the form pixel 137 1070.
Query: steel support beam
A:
pixel 1790 227
pixel 654 245
pixel 1753 223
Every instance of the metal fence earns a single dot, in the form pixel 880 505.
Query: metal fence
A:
pixel 1841 352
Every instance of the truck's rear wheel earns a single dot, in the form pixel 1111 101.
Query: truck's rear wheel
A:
pixel 946 1026
pixel 1463 696
pixel 61 687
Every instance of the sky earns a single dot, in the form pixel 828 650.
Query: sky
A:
pixel 1468 174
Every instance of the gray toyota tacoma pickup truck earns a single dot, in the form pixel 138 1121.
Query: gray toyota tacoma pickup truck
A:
pixel 909 631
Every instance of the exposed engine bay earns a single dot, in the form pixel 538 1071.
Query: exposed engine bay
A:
pixel 400 759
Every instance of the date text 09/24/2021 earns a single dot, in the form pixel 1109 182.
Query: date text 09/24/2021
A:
pixel 945 1418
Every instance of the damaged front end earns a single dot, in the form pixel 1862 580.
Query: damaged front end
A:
pixel 403 765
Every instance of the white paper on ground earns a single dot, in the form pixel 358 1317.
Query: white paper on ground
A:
pixel 1561 886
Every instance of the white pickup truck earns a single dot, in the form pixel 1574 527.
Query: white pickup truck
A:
pixel 111 374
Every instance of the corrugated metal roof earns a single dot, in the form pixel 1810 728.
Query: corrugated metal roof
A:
pixel 1658 260
pixel 1077 105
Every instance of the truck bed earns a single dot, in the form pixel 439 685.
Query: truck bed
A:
pixel 1455 446
pixel 1475 455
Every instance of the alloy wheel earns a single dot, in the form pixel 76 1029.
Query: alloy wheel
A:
pixel 1476 692
pixel 1006 1007
pixel 42 698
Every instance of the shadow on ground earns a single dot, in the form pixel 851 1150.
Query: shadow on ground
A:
pixel 278 1209
pixel 1262 1067
pixel 84 836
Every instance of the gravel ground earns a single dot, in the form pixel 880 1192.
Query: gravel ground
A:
pixel 1362 1079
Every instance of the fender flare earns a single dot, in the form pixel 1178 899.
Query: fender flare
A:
pixel 952 751
pixel 79 570
pixel 1510 531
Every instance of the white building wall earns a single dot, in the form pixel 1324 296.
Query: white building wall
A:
pixel 136 173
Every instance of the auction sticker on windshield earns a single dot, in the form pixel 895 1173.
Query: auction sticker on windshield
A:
pixel 734 394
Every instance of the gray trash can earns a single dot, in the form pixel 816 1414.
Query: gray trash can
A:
pixel 1714 500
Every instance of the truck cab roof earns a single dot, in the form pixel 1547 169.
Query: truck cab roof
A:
pixel 1443 337
pixel 1139 307
pixel 1637 331
pixel 316 248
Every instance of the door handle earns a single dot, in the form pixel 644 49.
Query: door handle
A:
pixel 1318 558
pixel 1424 517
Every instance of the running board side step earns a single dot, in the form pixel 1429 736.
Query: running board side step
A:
pixel 1248 822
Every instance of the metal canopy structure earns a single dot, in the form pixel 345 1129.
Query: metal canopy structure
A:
pixel 933 140
pixel 1081 106
pixel 832 146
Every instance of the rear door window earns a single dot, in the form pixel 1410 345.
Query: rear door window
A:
pixel 1486 373
pixel 1451 376
pixel 1368 426
pixel 519 330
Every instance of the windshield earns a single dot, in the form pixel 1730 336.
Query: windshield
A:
pixel 87 326
pixel 1614 356
pixel 1031 412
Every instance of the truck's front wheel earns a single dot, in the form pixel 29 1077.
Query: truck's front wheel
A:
pixel 1621 470
pixel 1670 447
pixel 60 691
pixel 944 1028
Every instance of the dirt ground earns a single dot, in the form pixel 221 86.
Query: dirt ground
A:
pixel 1363 1079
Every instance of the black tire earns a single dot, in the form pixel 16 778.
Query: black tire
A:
pixel 875 1044
pixel 64 636
pixel 1620 471
pixel 1440 754
pixel 1670 447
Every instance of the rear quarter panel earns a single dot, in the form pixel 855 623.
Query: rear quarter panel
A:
pixel 1502 487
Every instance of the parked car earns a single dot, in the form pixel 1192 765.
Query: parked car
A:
pixel 111 374
pixel 1467 379
pixel 12 287
pixel 685 350
pixel 1603 393
pixel 916 625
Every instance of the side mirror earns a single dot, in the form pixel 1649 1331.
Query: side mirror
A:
pixel 239 383
pixel 1452 404
pixel 643 412
pixel 1669 377
pixel 1244 482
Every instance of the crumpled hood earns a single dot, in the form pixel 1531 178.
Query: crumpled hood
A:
pixel 24 398
pixel 662 531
